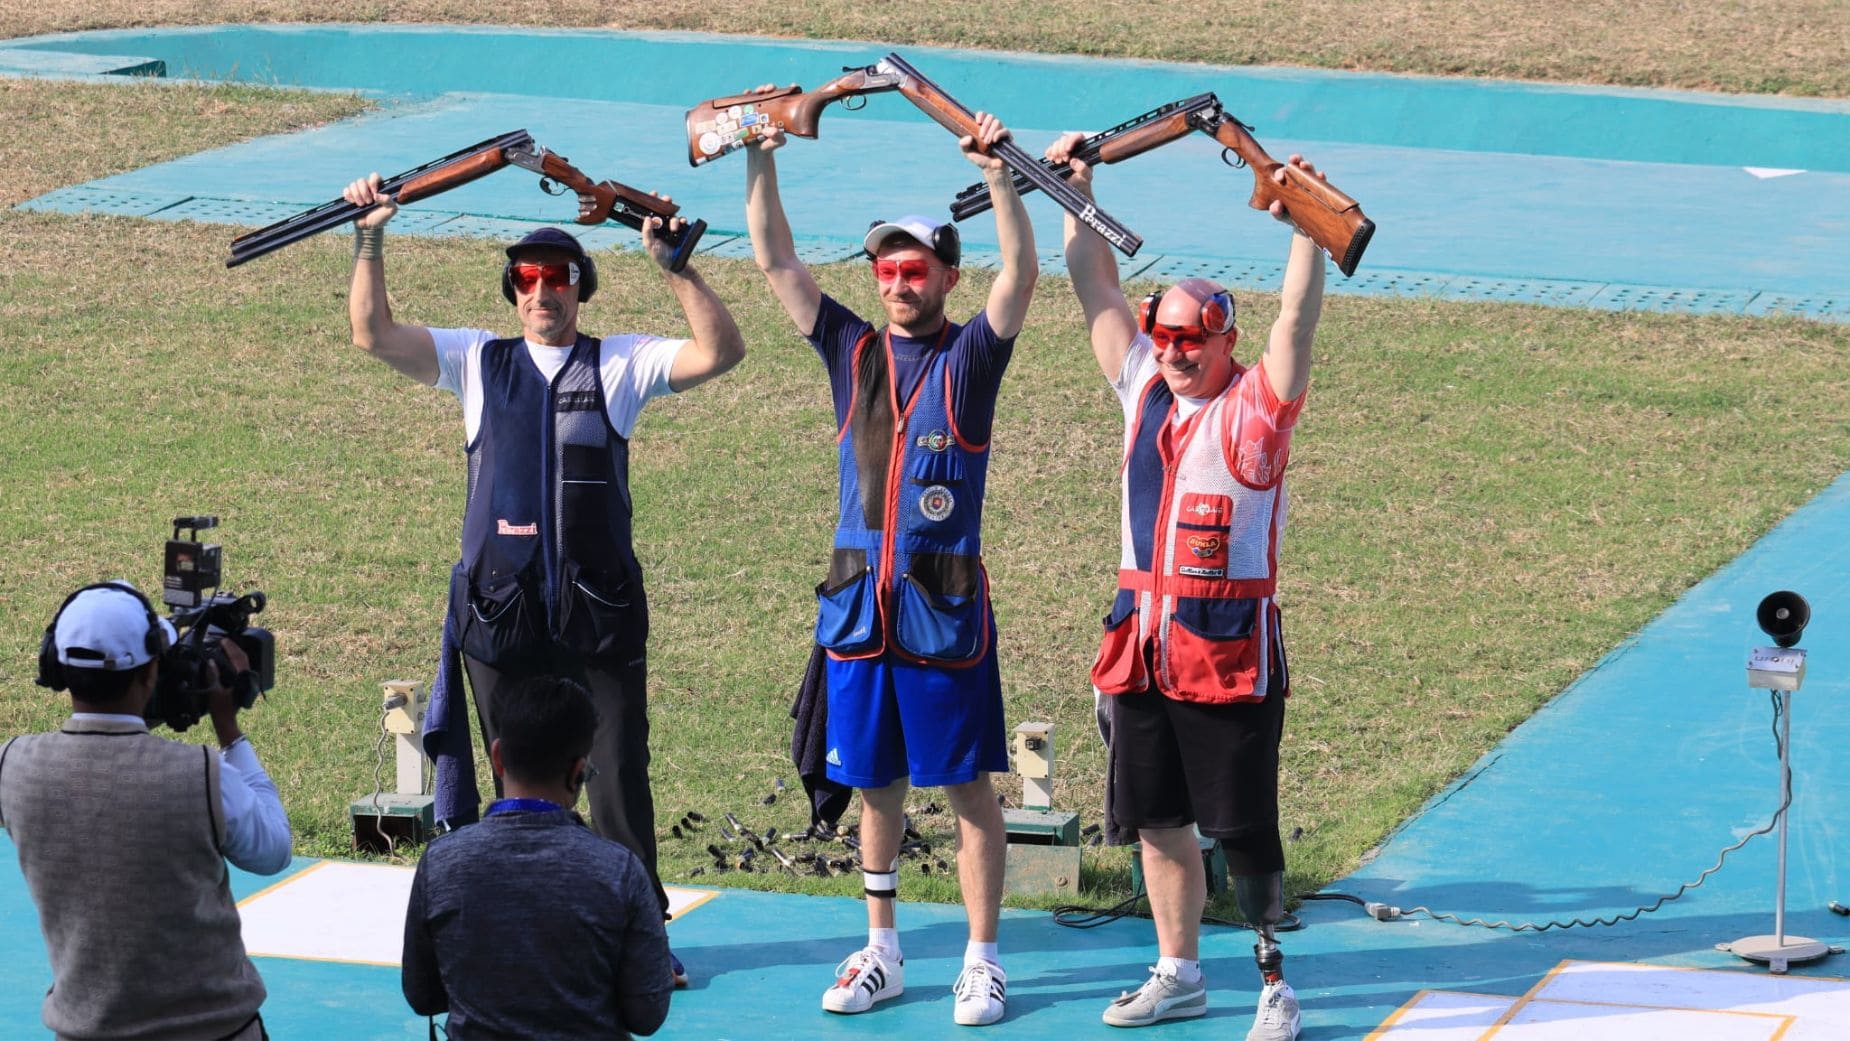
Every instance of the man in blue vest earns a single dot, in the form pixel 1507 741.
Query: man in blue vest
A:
pixel 548 580
pixel 1192 664
pixel 914 695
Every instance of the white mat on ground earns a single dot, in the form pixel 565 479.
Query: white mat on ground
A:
pixel 336 911
pixel 1618 1001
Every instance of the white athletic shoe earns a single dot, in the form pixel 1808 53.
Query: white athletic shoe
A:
pixel 1278 1014
pixel 981 992
pixel 862 979
pixel 1161 997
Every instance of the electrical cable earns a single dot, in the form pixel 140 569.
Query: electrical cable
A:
pixel 379 743
pixel 1079 916
pixel 1385 913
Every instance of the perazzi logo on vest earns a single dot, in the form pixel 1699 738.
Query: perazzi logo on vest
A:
pixel 502 527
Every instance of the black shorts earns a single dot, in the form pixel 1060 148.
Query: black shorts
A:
pixel 1176 763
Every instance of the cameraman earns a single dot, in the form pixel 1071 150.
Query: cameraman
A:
pixel 123 836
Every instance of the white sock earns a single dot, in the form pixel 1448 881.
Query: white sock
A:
pixel 975 952
pixel 1181 968
pixel 886 941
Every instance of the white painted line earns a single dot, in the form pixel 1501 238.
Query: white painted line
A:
pixel 1441 1015
pixel 1767 172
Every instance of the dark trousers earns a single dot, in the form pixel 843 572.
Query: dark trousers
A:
pixel 622 807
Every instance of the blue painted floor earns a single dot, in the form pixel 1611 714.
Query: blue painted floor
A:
pixel 1502 191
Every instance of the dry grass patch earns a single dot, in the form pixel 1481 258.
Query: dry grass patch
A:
pixel 1752 46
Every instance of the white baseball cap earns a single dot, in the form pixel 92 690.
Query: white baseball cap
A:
pixel 110 626
pixel 938 236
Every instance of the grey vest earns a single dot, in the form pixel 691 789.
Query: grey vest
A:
pixel 118 834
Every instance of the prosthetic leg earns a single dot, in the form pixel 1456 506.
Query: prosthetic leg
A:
pixel 1261 899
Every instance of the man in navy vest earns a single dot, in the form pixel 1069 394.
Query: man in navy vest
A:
pixel 1192 665
pixel 914 695
pixel 548 580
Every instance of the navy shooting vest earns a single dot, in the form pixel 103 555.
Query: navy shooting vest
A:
pixel 547 561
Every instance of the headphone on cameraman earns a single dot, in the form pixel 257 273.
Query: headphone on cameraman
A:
pixel 587 278
pixel 1216 311
pixel 51 670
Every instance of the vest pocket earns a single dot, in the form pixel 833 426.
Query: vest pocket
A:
pixel 847 614
pixel 939 627
pixel 499 619
pixel 1119 666
pixel 1213 650
pixel 598 617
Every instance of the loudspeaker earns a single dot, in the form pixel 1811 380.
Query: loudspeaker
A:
pixel 1783 616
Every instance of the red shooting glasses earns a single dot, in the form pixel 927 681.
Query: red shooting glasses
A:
pixel 527 274
pixel 915 272
pixel 1181 338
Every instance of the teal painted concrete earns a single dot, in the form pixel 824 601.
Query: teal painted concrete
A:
pixel 1042 91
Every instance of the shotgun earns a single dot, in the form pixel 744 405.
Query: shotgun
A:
pixel 605 200
pixel 723 125
pixel 1333 220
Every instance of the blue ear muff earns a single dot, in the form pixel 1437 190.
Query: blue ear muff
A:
pixel 51 670
pixel 1217 313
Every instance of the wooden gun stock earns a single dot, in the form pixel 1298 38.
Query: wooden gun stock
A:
pixel 454 175
pixel 612 200
pixel 723 125
pixel 1333 220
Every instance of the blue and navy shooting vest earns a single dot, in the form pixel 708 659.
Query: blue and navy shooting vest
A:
pixel 907 571
pixel 547 560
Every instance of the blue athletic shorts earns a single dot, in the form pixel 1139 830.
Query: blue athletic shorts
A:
pixel 890 719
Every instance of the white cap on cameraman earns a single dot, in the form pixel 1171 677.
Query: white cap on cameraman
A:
pixel 110 627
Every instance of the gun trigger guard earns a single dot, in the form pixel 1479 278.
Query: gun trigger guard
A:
pixel 848 102
pixel 1236 162
pixel 548 186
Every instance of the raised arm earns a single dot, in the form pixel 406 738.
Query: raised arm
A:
pixel 772 244
pixel 1094 270
pixel 407 348
pixel 1014 287
pixel 715 345
pixel 1287 349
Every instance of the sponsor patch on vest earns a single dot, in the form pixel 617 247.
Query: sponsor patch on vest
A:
pixel 936 503
pixel 1204 545
pixel 502 527
pixel 1202 572
pixel 936 441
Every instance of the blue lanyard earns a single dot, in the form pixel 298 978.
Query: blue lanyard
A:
pixel 523 806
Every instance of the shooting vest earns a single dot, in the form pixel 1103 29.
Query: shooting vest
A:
pixel 1204 507
pixel 907 572
pixel 119 836
pixel 547 560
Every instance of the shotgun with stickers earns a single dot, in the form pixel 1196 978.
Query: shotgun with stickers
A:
pixel 723 125
pixel 604 200
pixel 1333 220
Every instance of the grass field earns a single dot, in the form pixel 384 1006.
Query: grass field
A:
pixel 1486 499
pixel 1752 46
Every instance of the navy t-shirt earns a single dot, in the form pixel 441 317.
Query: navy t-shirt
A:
pixel 977 359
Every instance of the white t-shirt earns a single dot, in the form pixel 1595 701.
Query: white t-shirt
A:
pixel 633 368
pixel 1139 365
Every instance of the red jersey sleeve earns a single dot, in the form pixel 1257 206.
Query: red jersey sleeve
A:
pixel 1257 434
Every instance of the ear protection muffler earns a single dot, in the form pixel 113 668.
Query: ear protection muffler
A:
pixel 1217 312
pixel 587 278
pixel 946 243
pixel 51 670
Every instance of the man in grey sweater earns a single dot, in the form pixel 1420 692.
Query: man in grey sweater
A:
pixel 528 924
pixel 123 836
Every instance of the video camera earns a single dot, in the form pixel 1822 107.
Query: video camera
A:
pixel 203 617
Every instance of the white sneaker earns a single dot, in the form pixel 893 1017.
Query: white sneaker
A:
pixel 862 979
pixel 1161 997
pixel 1278 1014
pixel 981 992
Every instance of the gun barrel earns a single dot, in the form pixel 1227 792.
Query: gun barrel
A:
pixel 336 212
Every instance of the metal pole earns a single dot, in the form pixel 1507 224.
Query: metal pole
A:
pixel 1785 797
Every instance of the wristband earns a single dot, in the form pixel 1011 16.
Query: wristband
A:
pixel 369 243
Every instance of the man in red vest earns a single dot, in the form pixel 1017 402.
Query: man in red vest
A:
pixel 1192 663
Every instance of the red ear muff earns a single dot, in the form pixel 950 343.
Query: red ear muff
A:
pixel 1217 313
pixel 1146 311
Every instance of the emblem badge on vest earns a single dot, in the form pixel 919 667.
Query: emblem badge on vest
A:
pixel 502 527
pixel 936 441
pixel 1210 553
pixel 936 503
